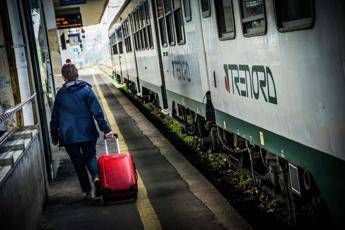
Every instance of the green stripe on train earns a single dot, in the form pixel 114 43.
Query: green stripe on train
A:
pixel 154 88
pixel 194 105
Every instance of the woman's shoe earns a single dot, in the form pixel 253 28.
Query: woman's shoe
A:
pixel 87 196
pixel 98 190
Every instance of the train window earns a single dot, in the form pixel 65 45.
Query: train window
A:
pixel 135 41
pixel 160 8
pixel 253 17
pixel 147 12
pixel 120 47
pixel 132 20
pixel 140 17
pixel 161 22
pixel 205 8
pixel 148 29
pixel 187 10
pixel 225 19
pixel 143 15
pixel 150 36
pixel 163 33
pixel 126 35
pixel 167 6
pixel 170 28
pixel 142 25
pixel 119 34
pixel 143 38
pixel 137 29
pixel 115 49
pixel 128 44
pixel 294 14
pixel 135 16
pixel 179 25
pixel 169 21
pixel 140 41
pixel 147 45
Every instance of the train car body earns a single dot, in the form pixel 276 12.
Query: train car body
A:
pixel 275 73
pixel 283 88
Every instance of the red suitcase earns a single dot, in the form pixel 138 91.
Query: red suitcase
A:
pixel 117 174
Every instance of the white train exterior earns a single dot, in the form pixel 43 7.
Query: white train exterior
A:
pixel 275 73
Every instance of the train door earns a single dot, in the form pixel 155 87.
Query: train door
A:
pixel 218 26
pixel 167 37
pixel 131 71
pixel 182 51
pixel 115 59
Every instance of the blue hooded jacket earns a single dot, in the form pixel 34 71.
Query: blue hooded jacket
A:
pixel 75 108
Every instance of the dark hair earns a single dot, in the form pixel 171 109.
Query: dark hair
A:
pixel 68 61
pixel 70 72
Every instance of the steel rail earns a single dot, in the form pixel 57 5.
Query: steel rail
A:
pixel 10 112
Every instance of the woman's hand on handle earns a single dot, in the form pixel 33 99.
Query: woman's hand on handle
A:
pixel 110 134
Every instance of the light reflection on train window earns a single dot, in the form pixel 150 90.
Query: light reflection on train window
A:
pixel 187 10
pixel 205 8
pixel 253 17
pixel 225 19
pixel 294 14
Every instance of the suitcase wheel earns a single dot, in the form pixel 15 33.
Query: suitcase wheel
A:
pixel 105 199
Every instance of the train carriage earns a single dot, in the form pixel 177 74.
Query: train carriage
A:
pixel 140 53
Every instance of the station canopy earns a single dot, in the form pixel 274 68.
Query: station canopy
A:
pixel 78 13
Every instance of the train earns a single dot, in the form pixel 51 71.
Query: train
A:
pixel 261 80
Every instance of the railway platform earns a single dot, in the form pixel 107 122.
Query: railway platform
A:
pixel 172 193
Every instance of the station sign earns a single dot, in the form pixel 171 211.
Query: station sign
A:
pixel 74 39
pixel 68 21
pixel 71 2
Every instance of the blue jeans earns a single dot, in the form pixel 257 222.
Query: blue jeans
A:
pixel 83 155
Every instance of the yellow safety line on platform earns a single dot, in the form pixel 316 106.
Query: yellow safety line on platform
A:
pixel 147 214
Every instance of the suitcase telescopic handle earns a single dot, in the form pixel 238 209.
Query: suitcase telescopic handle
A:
pixel 117 143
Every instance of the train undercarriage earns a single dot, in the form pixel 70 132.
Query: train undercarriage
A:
pixel 277 178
